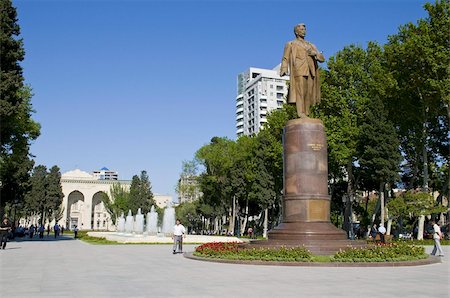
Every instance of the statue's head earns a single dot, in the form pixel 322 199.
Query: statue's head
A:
pixel 300 30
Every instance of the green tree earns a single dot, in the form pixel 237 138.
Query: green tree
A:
pixel 418 56
pixel 35 199
pixel 189 215
pixel 379 156
pixel 218 159
pixel 54 194
pixel 117 202
pixel 356 80
pixel 141 195
pixel 44 199
pixel 17 127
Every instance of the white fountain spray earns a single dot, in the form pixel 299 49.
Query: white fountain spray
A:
pixel 139 223
pixel 168 219
pixel 152 221
pixel 129 223
pixel 121 224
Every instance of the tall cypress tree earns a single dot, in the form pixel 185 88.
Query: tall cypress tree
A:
pixel 17 127
pixel 35 199
pixel 141 195
pixel 54 195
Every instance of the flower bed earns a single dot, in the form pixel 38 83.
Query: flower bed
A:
pixel 232 251
pixel 394 252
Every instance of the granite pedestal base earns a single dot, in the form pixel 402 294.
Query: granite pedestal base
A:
pixel 306 203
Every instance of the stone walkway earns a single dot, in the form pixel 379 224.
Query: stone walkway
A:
pixel 72 268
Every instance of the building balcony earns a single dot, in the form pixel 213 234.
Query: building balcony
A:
pixel 240 131
pixel 239 117
pixel 239 103
pixel 238 110
pixel 263 104
pixel 239 123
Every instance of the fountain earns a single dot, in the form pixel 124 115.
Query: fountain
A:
pixel 129 223
pixel 139 223
pixel 121 224
pixel 168 220
pixel 152 222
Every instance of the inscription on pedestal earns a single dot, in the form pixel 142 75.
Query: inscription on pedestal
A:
pixel 315 147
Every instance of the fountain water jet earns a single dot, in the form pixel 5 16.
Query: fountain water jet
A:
pixel 121 224
pixel 168 219
pixel 129 223
pixel 139 223
pixel 152 222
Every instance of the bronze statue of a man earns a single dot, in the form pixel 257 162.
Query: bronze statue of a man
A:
pixel 300 60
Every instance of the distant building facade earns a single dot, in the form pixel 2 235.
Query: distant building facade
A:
pixel 188 189
pixel 162 200
pixel 83 200
pixel 259 92
pixel 105 174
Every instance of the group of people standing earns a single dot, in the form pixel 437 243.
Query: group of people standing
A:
pixel 6 228
pixel 40 230
pixel 378 233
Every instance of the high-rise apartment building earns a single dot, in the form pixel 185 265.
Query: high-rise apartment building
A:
pixel 259 92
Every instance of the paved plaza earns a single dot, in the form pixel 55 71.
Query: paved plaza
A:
pixel 72 268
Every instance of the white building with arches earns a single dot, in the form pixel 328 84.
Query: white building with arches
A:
pixel 82 202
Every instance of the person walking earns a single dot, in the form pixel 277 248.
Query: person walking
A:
pixel 382 232
pixel 41 231
pixel 179 231
pixel 56 230
pixel 437 236
pixel 75 232
pixel 373 232
pixel 48 230
pixel 31 231
pixel 5 228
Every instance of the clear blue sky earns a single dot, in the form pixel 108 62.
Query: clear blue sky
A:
pixel 142 85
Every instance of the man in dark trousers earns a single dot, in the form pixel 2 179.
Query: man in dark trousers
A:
pixel 179 231
pixel 5 228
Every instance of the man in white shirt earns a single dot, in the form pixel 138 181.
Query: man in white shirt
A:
pixel 179 232
pixel 382 231
pixel 437 235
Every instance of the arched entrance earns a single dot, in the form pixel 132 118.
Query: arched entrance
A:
pixel 98 214
pixel 75 203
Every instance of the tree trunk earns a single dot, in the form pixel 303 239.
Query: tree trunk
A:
pixel 421 224
pixel 266 222
pixel 424 144
pixel 244 222
pixel 389 226
pixel 381 194
pixel 347 210
pixel 233 216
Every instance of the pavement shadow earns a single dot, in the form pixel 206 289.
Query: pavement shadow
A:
pixel 45 239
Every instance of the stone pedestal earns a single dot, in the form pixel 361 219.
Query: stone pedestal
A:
pixel 306 203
